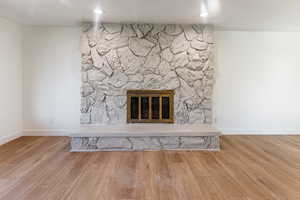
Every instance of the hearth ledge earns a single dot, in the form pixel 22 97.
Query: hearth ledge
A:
pixel 145 137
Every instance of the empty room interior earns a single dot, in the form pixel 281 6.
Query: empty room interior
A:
pixel 149 100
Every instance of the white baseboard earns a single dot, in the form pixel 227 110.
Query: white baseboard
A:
pixel 46 132
pixel 226 131
pixel 8 138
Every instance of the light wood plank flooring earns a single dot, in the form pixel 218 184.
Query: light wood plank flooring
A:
pixel 247 168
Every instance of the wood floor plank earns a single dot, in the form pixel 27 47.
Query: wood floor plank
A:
pixel 247 168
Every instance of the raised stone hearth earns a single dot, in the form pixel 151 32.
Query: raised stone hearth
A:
pixel 145 137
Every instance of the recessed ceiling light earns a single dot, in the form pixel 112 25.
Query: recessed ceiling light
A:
pixel 98 11
pixel 204 14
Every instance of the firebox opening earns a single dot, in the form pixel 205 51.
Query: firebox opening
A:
pixel 150 106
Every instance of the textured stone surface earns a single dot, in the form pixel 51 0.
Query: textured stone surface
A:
pixel 199 45
pixel 199 142
pixel 170 142
pixel 140 47
pixel 113 143
pixel 179 44
pixel 118 57
pixel 145 143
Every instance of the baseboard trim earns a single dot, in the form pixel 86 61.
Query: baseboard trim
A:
pixel 8 138
pixel 258 132
pixel 46 132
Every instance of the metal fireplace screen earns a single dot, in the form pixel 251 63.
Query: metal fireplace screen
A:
pixel 150 106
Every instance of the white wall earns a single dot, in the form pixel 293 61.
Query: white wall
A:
pixel 258 82
pixel 10 80
pixel 51 79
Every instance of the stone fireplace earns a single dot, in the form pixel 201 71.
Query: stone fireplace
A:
pixel 122 58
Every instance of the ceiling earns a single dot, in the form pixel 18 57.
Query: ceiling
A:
pixel 279 15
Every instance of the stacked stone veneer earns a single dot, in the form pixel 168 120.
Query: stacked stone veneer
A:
pixel 144 143
pixel 116 58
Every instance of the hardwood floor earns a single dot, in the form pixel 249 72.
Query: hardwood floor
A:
pixel 247 168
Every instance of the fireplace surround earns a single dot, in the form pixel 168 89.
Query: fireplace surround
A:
pixel 117 58
pixel 121 57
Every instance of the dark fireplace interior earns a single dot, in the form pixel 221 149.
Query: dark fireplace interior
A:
pixel 150 106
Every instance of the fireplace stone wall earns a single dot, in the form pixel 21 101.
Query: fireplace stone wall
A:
pixel 121 57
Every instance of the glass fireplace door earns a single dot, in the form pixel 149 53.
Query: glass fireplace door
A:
pixel 150 106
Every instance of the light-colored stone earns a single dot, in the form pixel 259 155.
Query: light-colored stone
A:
pixel 118 79
pixel 189 32
pixel 195 142
pixel 114 143
pixel 128 31
pixel 117 114
pixel 198 28
pixel 101 62
pixel 164 68
pixel 199 45
pixel 144 143
pixel 198 85
pixel 113 59
pixel 119 41
pixel 145 28
pixel 129 60
pixel 76 143
pixel 140 47
pixel 189 76
pixel 152 38
pixel 99 114
pixel 182 114
pixel 136 78
pixel 116 58
pixel 180 60
pixel 179 44
pixel 170 81
pixel 86 104
pixel 113 28
pixel 152 81
pixel 95 75
pixel 110 36
pixel 172 29
pixel 152 61
pixel 133 85
pixel 165 40
pixel 167 55
pixel 103 47
pixel 85 118
pixel 186 91
pixel 84 77
pixel 86 89
pixel 197 117
pixel 116 101
pixel 193 54
pixel 137 31
pixel 157 29
pixel 196 65
pixel 169 142
pixel 208 116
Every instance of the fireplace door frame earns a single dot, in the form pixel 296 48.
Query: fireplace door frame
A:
pixel 150 94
